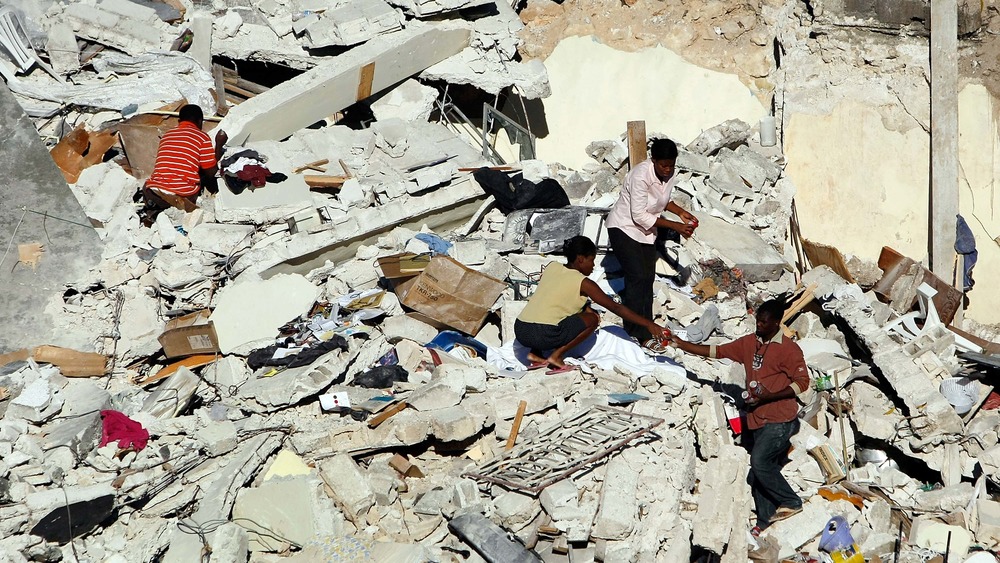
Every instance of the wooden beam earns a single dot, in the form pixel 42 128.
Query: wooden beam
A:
pixel 365 78
pixel 220 91
pixel 944 138
pixel 517 425
pixel 385 415
pixel 318 181
pixel 636 143
pixel 312 166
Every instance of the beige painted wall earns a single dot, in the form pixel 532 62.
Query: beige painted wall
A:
pixel 862 186
pixel 597 89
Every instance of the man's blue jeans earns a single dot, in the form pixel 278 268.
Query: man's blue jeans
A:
pixel 770 489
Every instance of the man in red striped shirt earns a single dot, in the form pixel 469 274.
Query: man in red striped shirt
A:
pixel 185 161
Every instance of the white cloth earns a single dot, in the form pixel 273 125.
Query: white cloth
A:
pixel 608 348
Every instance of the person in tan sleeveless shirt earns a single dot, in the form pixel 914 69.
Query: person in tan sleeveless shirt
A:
pixel 557 317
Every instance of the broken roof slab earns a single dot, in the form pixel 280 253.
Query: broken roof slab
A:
pixel 333 86
pixel 38 207
pixel 303 252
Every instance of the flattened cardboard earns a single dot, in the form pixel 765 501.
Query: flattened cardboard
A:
pixel 189 335
pixel 454 295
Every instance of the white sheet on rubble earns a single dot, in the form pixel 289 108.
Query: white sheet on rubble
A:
pixel 609 348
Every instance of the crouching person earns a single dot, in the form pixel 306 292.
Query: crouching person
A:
pixel 557 316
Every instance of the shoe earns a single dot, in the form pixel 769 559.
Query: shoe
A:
pixel 755 532
pixel 654 347
pixel 784 513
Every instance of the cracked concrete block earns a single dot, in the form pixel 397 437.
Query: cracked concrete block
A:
pixel 410 101
pixel 410 427
pixel 349 486
pixel 401 326
pixel 469 252
pixel 455 424
pixel 741 247
pixel 230 542
pixel 470 378
pixel 436 396
pixel 279 508
pixel 616 517
pixel 242 327
pixel 515 509
pixel 560 500
pixel 711 425
pixel 466 496
pixel 723 483
pixel 431 502
pixel 220 239
pixel 217 438
pixel 39 401
pixel 63 50
pixel 731 134
pixel 80 430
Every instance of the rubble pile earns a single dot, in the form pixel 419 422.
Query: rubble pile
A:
pixel 320 365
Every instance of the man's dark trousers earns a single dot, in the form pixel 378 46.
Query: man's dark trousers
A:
pixel 770 489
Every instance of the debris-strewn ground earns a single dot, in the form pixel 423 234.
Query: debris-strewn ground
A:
pixel 329 413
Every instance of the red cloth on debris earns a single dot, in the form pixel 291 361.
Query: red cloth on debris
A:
pixel 255 174
pixel 129 433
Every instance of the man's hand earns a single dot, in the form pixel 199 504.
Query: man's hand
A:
pixel 659 332
pixel 220 138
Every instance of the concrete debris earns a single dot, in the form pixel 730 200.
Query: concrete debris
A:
pixel 309 412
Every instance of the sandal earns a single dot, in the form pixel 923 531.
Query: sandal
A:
pixel 654 347
pixel 784 513
pixel 536 365
pixel 564 369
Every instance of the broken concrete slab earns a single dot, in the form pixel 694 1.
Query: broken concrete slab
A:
pixel 71 245
pixel 403 326
pixel 741 247
pixel 332 86
pixel 348 484
pixel 267 394
pixel 61 45
pixel 722 484
pixel 278 512
pixel 242 326
pixel 353 23
pixel 619 504
pixel 303 252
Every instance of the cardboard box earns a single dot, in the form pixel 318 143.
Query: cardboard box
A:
pixel 398 269
pixel 189 335
pixel 453 295
pixel 831 465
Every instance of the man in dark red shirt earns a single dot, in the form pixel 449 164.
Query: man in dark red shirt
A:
pixel 775 375
pixel 185 161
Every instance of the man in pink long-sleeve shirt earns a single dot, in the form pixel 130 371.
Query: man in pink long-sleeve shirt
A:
pixel 632 225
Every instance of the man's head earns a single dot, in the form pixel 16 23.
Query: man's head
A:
pixel 580 253
pixel 769 318
pixel 193 114
pixel 663 153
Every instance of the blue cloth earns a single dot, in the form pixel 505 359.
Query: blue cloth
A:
pixel 437 244
pixel 965 244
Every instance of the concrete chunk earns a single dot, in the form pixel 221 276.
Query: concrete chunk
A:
pixel 279 508
pixel 742 247
pixel 243 321
pixel 619 503
pixel 330 87
pixel 401 326
pixel 348 484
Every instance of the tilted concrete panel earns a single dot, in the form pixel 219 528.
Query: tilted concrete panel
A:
pixel 36 206
pixel 332 86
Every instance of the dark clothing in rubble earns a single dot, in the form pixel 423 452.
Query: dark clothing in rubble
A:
pixel 774 365
pixel 514 192
pixel 381 377
pixel 265 356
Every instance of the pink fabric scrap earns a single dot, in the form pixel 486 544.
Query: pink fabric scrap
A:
pixel 129 433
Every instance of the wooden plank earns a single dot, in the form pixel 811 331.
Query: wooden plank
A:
pixel 636 143
pixel 220 91
pixel 825 255
pixel 72 363
pixel 312 166
pixel 240 91
pixel 517 425
pixel 317 181
pixel 365 78
pixel 385 415
pixel 501 168
pixel 195 361
pixel 140 144
pixel 347 170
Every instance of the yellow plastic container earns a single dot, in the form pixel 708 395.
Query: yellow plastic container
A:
pixel 849 555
